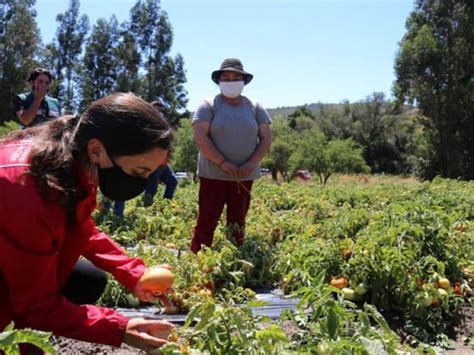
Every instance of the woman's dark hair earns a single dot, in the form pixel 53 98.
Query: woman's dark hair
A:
pixel 124 123
pixel 37 71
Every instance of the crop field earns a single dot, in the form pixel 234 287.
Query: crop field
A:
pixel 379 265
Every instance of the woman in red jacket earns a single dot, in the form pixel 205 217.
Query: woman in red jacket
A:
pixel 49 176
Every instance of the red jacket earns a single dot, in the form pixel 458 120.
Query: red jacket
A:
pixel 38 252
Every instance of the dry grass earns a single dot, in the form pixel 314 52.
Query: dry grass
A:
pixel 359 179
pixel 370 179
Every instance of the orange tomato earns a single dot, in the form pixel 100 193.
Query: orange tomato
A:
pixel 339 282
pixel 204 292
pixel 157 279
pixel 345 253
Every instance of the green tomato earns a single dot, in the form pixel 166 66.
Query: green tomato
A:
pixel 348 293
pixel 442 292
pixel 426 300
pixel 443 282
pixel 323 349
pixel 361 289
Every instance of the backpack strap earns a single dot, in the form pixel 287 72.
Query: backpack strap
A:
pixel 253 105
pixel 214 105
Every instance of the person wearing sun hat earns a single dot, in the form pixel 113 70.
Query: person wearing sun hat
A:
pixel 233 135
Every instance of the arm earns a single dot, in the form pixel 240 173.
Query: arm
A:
pixel 35 301
pixel 104 253
pixel 29 265
pixel 107 255
pixel 265 139
pixel 207 147
pixel 204 143
pixel 36 304
pixel 265 136
pixel 26 116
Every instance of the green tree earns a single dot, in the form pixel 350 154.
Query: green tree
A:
pixel 185 149
pixel 434 69
pixel 19 45
pixel 70 37
pixel 376 128
pixel 128 63
pixel 276 160
pixel 336 121
pixel 343 156
pixel 164 76
pixel 99 70
pixel 303 123
pixel 302 111
pixel 7 127
pixel 318 155
pixel 49 58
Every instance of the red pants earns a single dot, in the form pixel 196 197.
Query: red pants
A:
pixel 213 195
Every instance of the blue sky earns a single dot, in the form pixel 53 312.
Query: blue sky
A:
pixel 300 51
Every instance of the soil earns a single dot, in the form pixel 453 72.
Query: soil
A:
pixel 464 335
pixel 73 347
pixel 461 346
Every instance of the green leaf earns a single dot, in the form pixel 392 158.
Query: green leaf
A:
pixel 192 315
pixel 273 332
pixel 374 346
pixel 378 318
pixel 205 315
pixel 9 340
pixel 332 323
pixel 257 303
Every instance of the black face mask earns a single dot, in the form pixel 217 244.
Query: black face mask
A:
pixel 119 186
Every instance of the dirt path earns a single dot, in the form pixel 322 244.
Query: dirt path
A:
pixel 465 332
pixel 73 347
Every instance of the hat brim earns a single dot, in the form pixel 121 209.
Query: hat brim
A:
pixel 217 73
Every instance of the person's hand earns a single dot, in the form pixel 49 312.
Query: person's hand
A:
pixel 231 169
pixel 247 168
pixel 40 91
pixel 148 296
pixel 147 335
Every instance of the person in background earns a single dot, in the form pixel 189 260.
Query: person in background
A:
pixel 164 174
pixel 233 135
pixel 36 107
pixel 53 259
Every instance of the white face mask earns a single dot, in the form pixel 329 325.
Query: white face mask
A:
pixel 231 89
